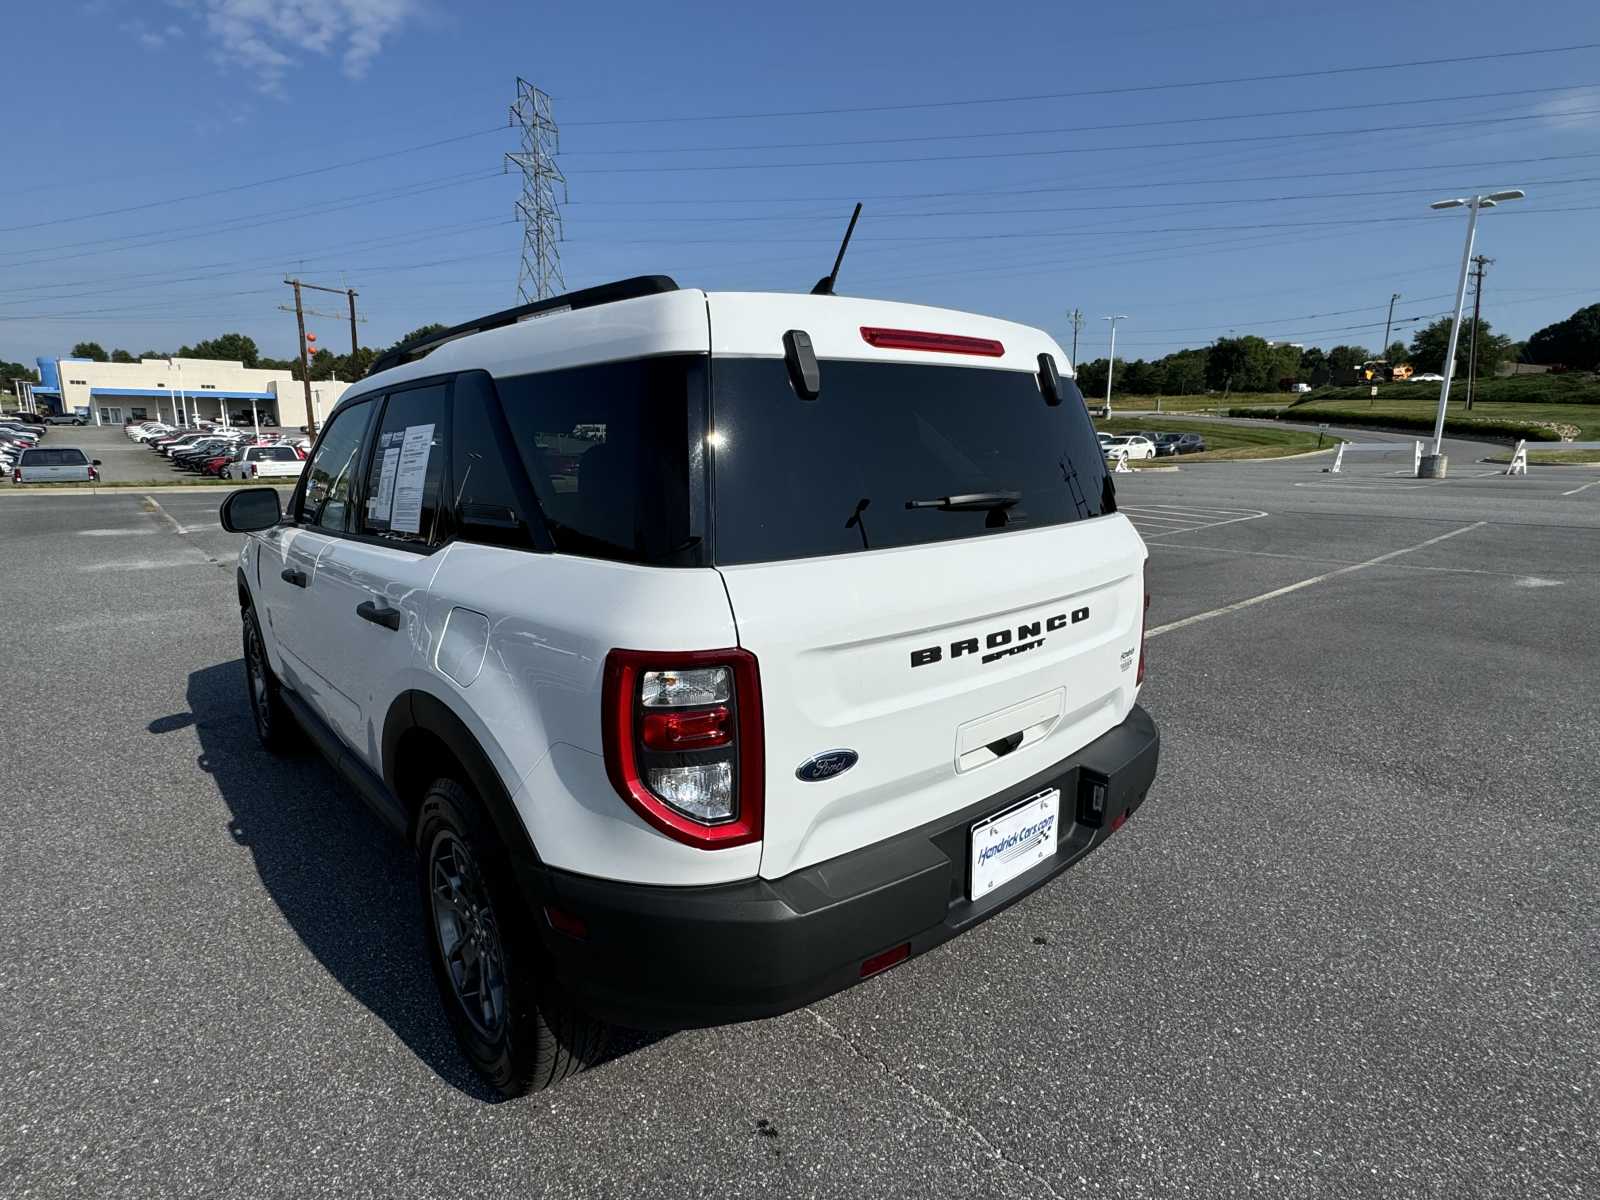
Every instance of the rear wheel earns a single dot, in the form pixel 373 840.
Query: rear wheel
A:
pixel 274 724
pixel 515 1023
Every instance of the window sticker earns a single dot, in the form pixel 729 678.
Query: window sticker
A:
pixel 410 474
pixel 380 506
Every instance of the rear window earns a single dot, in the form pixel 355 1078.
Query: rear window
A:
pixel 274 454
pixel 53 458
pixel 615 453
pixel 797 478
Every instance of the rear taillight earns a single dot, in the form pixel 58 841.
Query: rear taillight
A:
pixel 94 475
pixel 1144 623
pixel 684 743
pixel 16 474
pixel 253 471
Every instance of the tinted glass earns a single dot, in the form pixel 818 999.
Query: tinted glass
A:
pixel 795 478
pixel 275 454
pixel 326 501
pixel 493 503
pixel 53 458
pixel 406 472
pixel 614 452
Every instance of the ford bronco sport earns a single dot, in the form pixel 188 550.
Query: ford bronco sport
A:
pixel 714 651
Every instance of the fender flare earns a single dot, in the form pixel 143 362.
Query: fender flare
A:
pixel 418 710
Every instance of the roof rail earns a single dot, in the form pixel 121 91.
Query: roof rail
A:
pixel 605 293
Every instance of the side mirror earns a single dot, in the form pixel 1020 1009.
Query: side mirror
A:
pixel 94 462
pixel 250 510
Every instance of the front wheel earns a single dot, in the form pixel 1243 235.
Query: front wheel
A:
pixel 515 1023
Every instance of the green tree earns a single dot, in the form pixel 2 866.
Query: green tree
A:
pixel 1183 373
pixel 1245 364
pixel 1428 346
pixel 1397 353
pixel 1574 342
pixel 1092 380
pixel 1313 366
pixel 92 350
pixel 154 354
pixel 1138 378
pixel 122 356
pixel 229 347
pixel 11 370
pixel 1343 361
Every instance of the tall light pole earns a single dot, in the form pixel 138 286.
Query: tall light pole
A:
pixel 1111 359
pixel 1434 469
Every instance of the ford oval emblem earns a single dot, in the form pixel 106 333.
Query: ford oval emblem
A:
pixel 826 765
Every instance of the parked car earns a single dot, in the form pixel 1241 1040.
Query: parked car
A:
pixel 659 763
pixel 1131 445
pixel 1165 443
pixel 65 419
pixel 145 430
pixel 1191 443
pixel 1426 377
pixel 265 462
pixel 30 418
pixel 59 464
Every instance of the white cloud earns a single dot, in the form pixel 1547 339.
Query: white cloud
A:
pixel 1576 109
pixel 269 37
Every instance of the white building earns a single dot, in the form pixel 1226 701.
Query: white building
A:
pixel 180 391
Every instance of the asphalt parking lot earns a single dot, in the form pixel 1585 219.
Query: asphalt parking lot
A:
pixel 121 460
pixel 1349 947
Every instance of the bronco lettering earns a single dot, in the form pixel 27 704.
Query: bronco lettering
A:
pixel 1002 643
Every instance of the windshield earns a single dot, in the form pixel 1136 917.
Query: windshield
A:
pixel 893 454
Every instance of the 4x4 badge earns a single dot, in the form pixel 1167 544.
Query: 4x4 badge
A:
pixel 826 765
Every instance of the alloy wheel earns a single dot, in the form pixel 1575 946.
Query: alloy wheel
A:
pixel 468 936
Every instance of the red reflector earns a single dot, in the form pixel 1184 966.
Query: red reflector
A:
pixel 939 343
pixel 882 962
pixel 692 729
pixel 1119 822
pixel 564 922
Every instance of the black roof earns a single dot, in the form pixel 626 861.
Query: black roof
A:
pixel 605 293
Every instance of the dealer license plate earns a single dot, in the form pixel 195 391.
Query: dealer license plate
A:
pixel 1009 843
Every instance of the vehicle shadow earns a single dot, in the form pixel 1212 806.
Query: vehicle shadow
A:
pixel 344 882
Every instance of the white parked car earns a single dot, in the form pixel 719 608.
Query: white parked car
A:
pixel 265 462
pixel 145 430
pixel 1130 445
pixel 57 464
pixel 1427 377
pixel 713 652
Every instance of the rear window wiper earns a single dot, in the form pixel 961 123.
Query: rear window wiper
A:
pixel 970 502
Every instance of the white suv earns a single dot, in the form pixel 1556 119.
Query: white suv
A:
pixel 714 651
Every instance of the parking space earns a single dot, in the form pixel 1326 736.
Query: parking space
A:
pixel 1347 948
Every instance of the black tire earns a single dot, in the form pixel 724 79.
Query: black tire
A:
pixel 523 1032
pixel 275 727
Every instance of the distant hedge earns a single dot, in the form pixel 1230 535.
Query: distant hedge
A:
pixel 1534 431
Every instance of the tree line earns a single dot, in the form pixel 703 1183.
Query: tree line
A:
pixel 241 348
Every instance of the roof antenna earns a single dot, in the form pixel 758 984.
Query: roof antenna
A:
pixel 825 284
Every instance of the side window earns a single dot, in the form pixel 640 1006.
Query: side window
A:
pixel 493 503
pixel 326 501
pixel 405 477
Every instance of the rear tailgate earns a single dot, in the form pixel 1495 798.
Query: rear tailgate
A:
pixel 925 559
pixel 1045 652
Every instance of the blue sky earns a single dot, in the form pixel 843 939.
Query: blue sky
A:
pixel 1194 210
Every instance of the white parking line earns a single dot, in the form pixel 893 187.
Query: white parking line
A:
pixel 1305 583
pixel 165 515
pixel 1170 520
pixel 1584 488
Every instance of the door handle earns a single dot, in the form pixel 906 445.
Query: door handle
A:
pixel 291 575
pixel 388 617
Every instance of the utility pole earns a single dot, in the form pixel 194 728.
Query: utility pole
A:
pixel 1387 323
pixel 305 361
pixel 1077 324
pixel 300 314
pixel 539 277
pixel 1480 264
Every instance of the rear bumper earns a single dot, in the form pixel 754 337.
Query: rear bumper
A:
pixel 656 957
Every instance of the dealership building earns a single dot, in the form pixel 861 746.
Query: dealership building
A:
pixel 179 391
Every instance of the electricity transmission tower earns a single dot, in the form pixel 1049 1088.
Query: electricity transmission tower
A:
pixel 539 276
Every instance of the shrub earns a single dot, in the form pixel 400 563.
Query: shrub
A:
pixel 1478 427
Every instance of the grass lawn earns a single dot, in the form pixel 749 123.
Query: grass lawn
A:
pixel 1585 416
pixel 1200 403
pixel 1552 457
pixel 1223 442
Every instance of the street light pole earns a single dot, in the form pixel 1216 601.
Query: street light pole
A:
pixel 1473 204
pixel 1111 359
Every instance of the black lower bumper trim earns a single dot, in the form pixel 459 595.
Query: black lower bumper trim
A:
pixel 659 957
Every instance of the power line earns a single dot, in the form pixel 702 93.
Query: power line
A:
pixel 1115 91
pixel 167 201
pixel 997 154
pixel 1045 132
